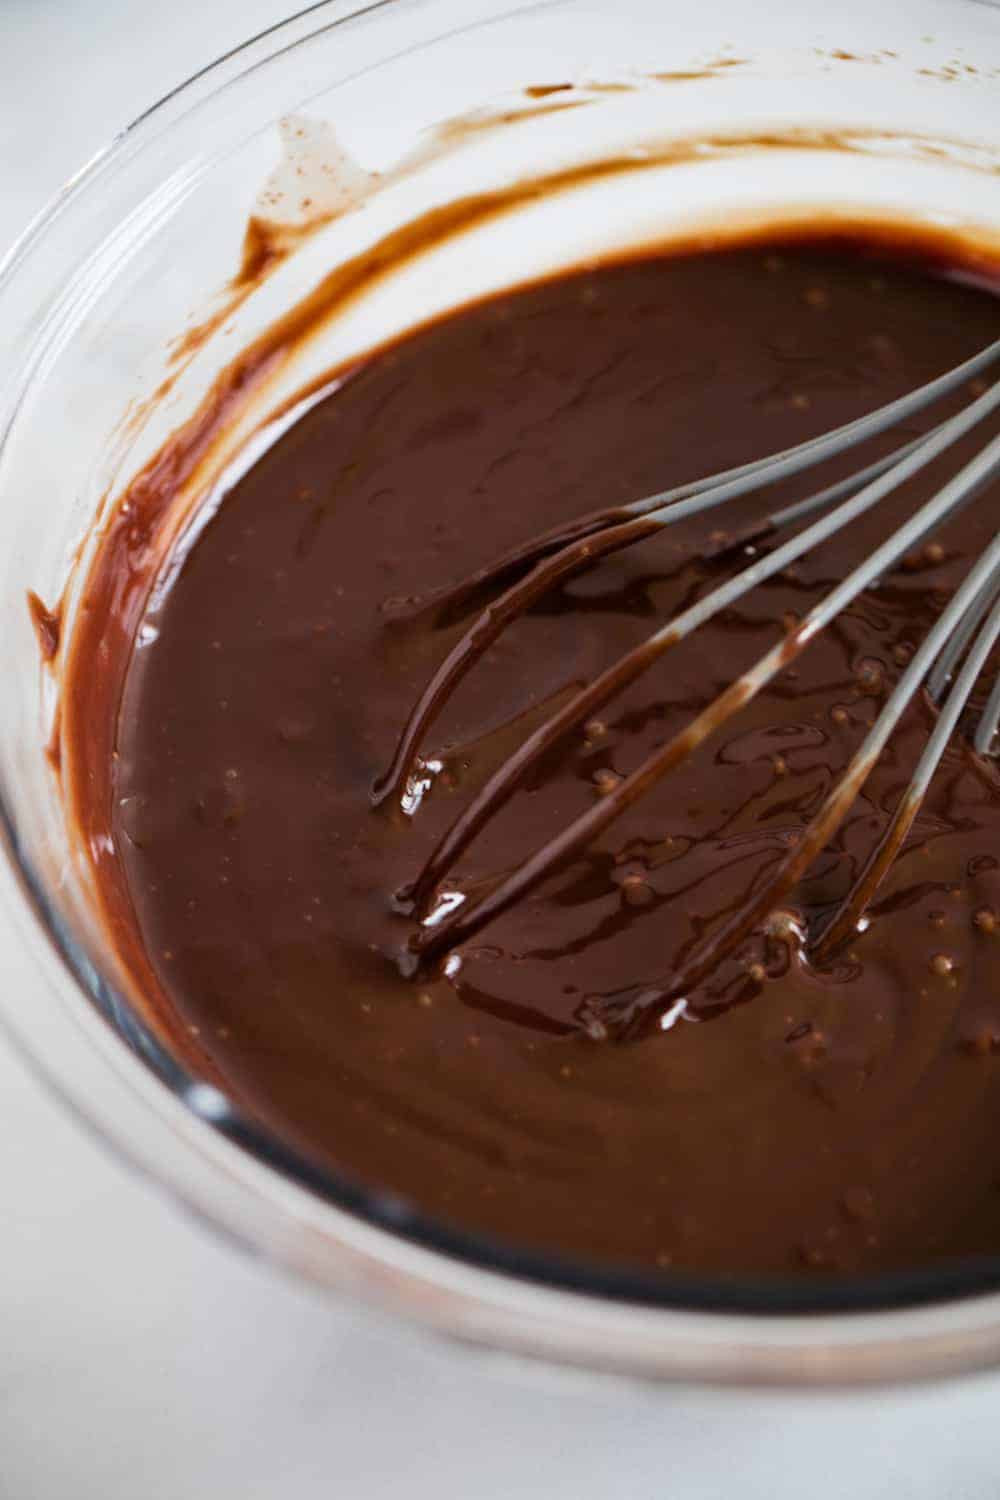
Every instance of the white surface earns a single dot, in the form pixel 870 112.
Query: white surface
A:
pixel 139 1360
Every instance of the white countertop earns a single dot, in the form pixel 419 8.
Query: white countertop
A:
pixel 140 1360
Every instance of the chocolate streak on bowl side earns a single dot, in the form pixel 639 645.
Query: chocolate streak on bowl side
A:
pixel 48 625
pixel 842 1121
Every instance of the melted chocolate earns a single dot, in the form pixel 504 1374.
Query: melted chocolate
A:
pixel 788 1118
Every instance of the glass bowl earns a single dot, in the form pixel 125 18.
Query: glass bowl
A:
pixel 585 129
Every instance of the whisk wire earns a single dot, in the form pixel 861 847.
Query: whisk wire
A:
pixel 846 919
pixel 989 723
pixel 953 652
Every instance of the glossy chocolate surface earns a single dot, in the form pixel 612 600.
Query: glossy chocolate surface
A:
pixel 788 1119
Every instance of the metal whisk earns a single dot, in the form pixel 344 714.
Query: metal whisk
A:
pixel 948 664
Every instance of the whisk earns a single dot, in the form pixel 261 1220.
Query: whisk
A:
pixel 948 665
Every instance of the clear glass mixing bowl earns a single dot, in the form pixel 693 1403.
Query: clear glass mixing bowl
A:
pixel 718 114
